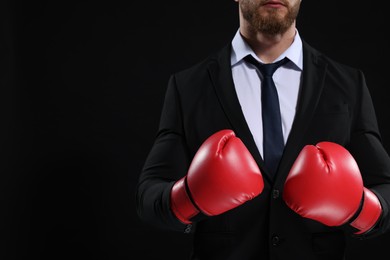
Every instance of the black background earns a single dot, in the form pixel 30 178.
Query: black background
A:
pixel 82 85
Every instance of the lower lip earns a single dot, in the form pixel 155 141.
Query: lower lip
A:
pixel 273 5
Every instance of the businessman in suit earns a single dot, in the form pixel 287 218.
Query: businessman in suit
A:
pixel 208 172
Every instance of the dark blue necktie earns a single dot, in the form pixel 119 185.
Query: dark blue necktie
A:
pixel 273 143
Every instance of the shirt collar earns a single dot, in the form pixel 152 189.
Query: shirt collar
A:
pixel 240 49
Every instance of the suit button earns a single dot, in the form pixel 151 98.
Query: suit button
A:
pixel 275 240
pixel 275 194
pixel 188 229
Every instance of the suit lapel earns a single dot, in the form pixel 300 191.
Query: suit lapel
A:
pixel 313 76
pixel 222 79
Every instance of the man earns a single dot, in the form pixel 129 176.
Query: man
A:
pixel 208 172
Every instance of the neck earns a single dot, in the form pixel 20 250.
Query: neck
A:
pixel 268 47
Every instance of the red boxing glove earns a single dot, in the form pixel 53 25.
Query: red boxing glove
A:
pixel 222 176
pixel 325 184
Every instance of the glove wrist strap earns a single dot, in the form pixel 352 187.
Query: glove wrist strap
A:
pixel 181 203
pixel 369 214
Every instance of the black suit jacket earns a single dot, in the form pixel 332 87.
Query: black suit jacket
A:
pixel 334 105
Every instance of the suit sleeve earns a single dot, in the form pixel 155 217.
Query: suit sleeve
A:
pixel 373 160
pixel 166 162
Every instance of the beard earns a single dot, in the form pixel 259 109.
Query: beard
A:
pixel 271 21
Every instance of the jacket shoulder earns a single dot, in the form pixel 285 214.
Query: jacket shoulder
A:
pixel 333 65
pixel 201 68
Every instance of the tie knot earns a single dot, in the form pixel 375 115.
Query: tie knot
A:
pixel 266 69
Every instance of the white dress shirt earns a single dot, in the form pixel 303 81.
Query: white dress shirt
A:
pixel 247 81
